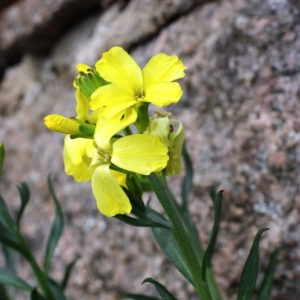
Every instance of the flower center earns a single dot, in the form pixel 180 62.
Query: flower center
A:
pixel 104 155
pixel 139 94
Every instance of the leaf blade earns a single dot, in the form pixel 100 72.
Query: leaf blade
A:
pixel 250 270
pixel 56 229
pixel 9 278
pixel 162 290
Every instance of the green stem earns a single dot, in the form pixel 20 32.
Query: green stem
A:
pixel 193 235
pixel 127 131
pixel 181 237
pixel 38 273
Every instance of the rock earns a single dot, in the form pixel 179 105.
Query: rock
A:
pixel 241 112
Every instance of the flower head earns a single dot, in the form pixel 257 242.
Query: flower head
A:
pixel 137 153
pixel 131 86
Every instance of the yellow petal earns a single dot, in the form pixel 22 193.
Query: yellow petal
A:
pixel 82 107
pixel 162 68
pixel 117 66
pixel 163 94
pixel 77 158
pixel 160 127
pixel 176 140
pixel 61 124
pixel 110 197
pixel 77 148
pixel 140 153
pixel 106 128
pixel 111 99
pixel 120 177
pixel 83 68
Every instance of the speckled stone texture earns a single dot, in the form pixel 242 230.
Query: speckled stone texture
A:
pixel 240 109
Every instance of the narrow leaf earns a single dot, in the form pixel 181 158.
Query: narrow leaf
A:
pixel 67 274
pixel 250 270
pixel 12 244
pixel 3 293
pixel 56 290
pixel 162 291
pixel 188 180
pixel 5 217
pixel 137 297
pixel 9 278
pixel 56 230
pixel 266 285
pixel 24 195
pixel 213 235
pixel 137 222
pixel 213 193
pixel 35 295
pixel 169 246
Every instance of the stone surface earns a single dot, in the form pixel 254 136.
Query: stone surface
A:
pixel 241 112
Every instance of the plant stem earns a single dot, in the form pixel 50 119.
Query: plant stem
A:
pixel 181 237
pixel 38 273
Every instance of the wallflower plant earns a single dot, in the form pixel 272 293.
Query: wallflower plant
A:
pixel 115 144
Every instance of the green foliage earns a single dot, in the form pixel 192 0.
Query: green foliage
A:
pixel 250 270
pixel 162 291
pixel 56 230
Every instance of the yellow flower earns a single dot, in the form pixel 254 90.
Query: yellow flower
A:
pixel 138 153
pixel 171 134
pixel 130 86
pixel 77 156
pixel 61 124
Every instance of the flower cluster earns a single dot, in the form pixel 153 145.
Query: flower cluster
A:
pixel 112 135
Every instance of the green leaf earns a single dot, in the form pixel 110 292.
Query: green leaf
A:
pixel 188 180
pixel 56 230
pixel 250 270
pixel 137 297
pixel 137 222
pixel 168 244
pixel 67 274
pixel 24 195
pixel 57 290
pixel 3 293
pixel 9 278
pixel 35 295
pixel 5 217
pixel 162 291
pixel 264 292
pixel 213 193
pixel 8 240
pixel 2 157
pixel 213 235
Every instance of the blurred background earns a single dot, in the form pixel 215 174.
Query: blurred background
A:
pixel 240 108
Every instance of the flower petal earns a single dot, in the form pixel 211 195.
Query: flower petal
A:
pixel 117 66
pixel 120 177
pixel 163 94
pixel 140 153
pixel 110 197
pixel 160 127
pixel 61 124
pixel 111 99
pixel 176 140
pixel 162 68
pixel 82 107
pixel 83 68
pixel 106 128
pixel 77 158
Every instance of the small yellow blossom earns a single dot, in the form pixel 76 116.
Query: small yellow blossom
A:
pixel 137 153
pixel 131 86
pixel 61 124
pixel 171 134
